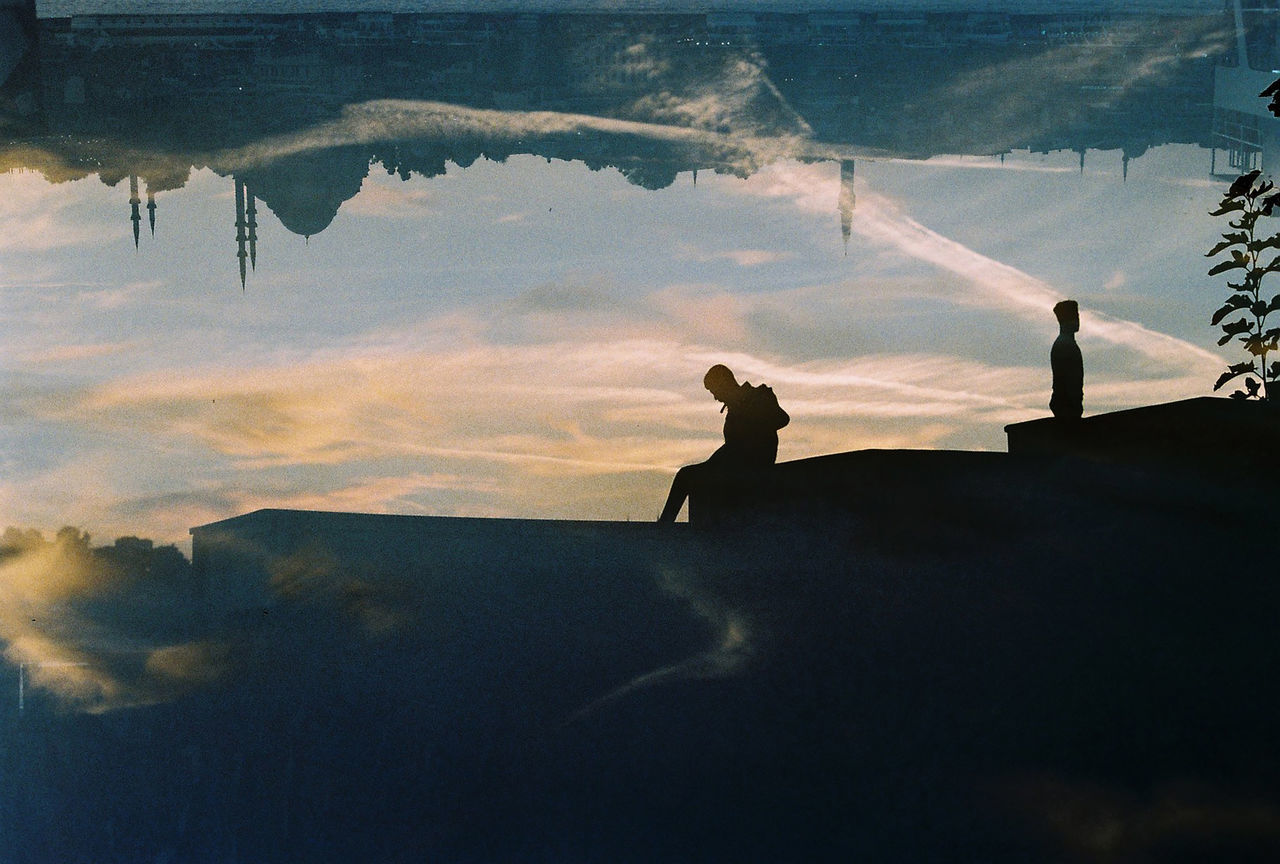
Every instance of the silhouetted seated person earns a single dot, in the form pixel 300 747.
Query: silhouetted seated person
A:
pixel 1067 402
pixel 750 438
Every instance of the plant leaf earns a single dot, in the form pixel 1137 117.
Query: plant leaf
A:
pixel 1234 302
pixel 1225 244
pixel 1232 372
pixel 1243 183
pixel 1232 328
pixel 1225 266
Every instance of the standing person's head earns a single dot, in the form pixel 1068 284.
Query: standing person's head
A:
pixel 1068 314
pixel 720 381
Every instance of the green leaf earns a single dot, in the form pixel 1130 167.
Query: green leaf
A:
pixel 1227 265
pixel 1243 183
pixel 1227 207
pixel 1234 302
pixel 1231 328
pixel 1225 244
pixel 1232 372
pixel 1272 242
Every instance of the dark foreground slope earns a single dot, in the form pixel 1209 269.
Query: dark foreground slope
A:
pixel 1079 668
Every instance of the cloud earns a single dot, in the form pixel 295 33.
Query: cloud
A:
pixel 878 219
pixel 46 593
pixel 37 217
pixel 1117 281
pixel 983 163
pixel 437 418
pixel 735 96
pixel 1105 823
pixel 884 222
pixel 76 353
pixel 1011 96
pixel 390 200
pixel 732 651
pixel 191 663
pixel 730 135
pixel 592 407
pixel 376 494
pixel 740 257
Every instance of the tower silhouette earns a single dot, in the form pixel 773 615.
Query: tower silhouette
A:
pixel 241 224
pixel 847 201
pixel 134 215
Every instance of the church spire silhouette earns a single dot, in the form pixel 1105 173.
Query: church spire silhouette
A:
pixel 847 201
pixel 134 215
pixel 151 209
pixel 251 211
pixel 240 232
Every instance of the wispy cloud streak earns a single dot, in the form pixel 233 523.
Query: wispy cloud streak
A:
pixel 880 220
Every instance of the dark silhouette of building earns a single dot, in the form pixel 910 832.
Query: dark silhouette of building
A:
pixel 204 90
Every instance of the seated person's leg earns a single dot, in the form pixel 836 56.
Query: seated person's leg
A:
pixel 680 487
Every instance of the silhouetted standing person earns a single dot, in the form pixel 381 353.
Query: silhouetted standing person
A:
pixel 1067 402
pixel 751 427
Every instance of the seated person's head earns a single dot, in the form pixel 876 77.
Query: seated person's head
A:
pixel 720 381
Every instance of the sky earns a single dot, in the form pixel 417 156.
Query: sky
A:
pixel 528 338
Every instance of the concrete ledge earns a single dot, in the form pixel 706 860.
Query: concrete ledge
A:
pixel 259 559
pixel 1205 434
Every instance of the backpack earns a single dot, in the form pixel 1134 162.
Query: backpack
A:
pixel 761 403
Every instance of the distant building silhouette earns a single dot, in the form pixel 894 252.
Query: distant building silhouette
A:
pixel 218 84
